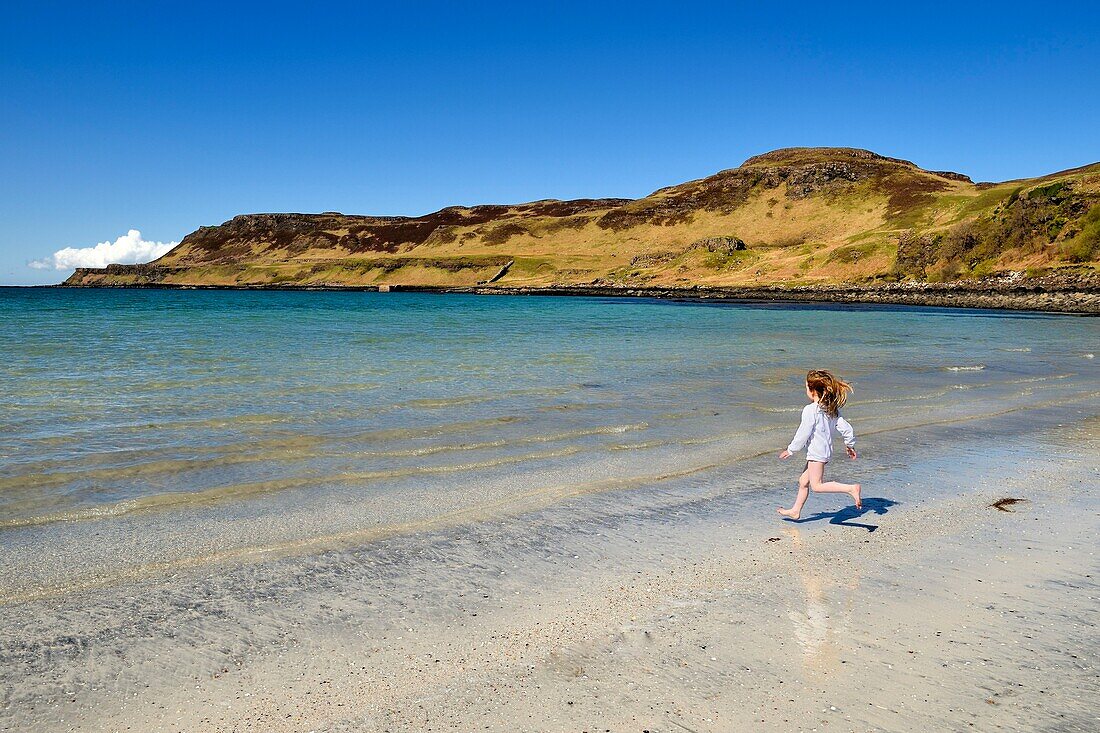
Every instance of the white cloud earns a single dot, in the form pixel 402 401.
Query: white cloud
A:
pixel 128 249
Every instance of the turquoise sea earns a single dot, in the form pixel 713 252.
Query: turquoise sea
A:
pixel 249 447
pixel 121 403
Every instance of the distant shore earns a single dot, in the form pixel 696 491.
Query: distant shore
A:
pixel 1055 293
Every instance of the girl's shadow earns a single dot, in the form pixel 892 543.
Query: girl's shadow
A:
pixel 844 516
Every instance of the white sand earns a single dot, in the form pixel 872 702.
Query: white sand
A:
pixel 951 616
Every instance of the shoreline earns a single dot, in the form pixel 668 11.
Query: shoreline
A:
pixel 341 513
pixel 1048 295
pixel 768 625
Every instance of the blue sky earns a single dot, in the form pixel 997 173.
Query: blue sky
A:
pixel 164 117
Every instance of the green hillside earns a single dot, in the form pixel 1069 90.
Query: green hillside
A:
pixel 792 216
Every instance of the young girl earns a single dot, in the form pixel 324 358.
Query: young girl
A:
pixel 819 419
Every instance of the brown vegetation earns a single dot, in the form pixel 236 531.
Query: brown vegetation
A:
pixel 797 215
pixel 1003 505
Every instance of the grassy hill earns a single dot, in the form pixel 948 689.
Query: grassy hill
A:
pixel 793 216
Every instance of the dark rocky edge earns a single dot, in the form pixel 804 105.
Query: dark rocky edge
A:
pixel 1068 291
pixel 1055 294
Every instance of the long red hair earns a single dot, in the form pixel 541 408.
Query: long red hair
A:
pixel 832 392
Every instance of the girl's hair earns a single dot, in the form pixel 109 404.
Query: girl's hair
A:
pixel 831 392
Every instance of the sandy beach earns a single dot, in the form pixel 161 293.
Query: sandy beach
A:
pixel 942 613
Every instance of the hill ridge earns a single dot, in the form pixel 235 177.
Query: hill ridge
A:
pixel 805 215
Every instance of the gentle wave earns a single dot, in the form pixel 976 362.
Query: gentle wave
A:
pixel 140 470
pixel 505 442
pixel 286 451
pixel 287 444
pixel 214 495
pixel 77 434
pixel 525 502
pixel 475 399
pixel 532 500
pixel 723 437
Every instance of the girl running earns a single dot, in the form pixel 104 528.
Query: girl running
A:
pixel 820 419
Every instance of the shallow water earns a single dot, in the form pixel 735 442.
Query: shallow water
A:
pixel 236 463
pixel 231 410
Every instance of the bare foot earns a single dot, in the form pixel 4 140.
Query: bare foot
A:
pixel 856 495
pixel 793 514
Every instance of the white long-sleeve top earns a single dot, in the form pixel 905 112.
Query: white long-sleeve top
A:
pixel 816 431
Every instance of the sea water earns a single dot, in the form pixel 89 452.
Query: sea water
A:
pixel 354 411
pixel 231 462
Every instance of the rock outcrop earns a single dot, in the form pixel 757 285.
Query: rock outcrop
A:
pixel 723 245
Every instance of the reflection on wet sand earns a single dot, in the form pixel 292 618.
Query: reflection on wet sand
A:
pixel 821 628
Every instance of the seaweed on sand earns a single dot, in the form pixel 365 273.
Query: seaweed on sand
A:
pixel 1002 505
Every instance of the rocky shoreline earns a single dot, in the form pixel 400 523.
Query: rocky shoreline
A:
pixel 1077 292
pixel 1002 294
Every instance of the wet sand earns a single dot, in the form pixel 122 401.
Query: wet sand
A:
pixel 930 609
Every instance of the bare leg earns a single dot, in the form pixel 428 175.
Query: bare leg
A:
pixel 816 470
pixel 803 492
